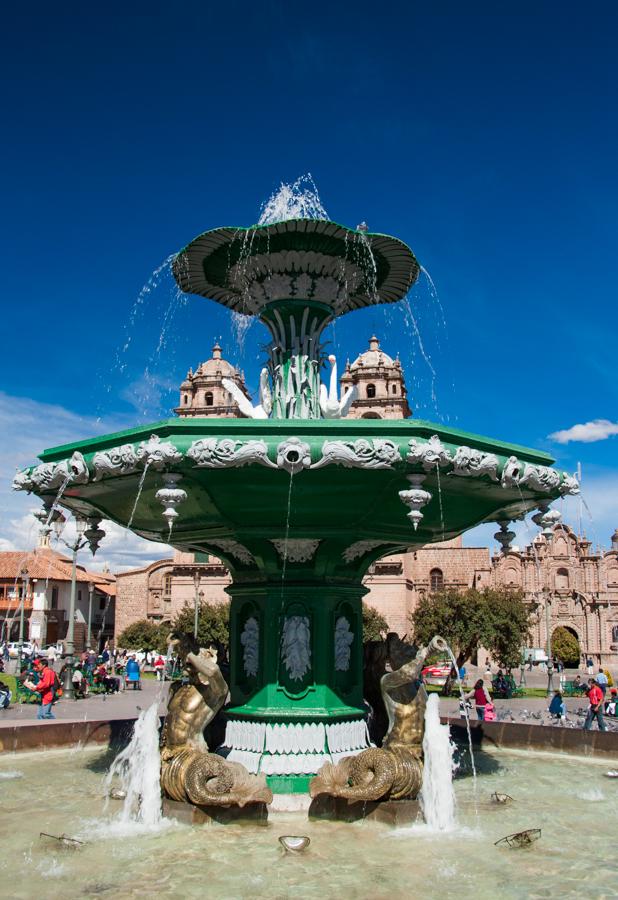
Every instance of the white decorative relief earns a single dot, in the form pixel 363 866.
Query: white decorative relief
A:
pixel 505 537
pixel 157 454
pixel 344 638
pixel 429 454
pixel 415 497
pixel 511 473
pixel 540 478
pixel 298 550
pixel 250 640
pixel 115 461
pixel 345 736
pixel 296 646
pixel 293 764
pixel 211 453
pixel 293 455
pixel 279 738
pixel 251 761
pixel 569 485
pixel 264 407
pixel 360 548
pixel 546 518
pixel 233 548
pixel 51 476
pixel 360 454
pixel 470 462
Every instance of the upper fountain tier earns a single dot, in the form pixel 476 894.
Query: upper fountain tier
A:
pixel 246 269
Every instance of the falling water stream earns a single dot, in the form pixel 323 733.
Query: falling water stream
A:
pixel 437 796
pixel 138 495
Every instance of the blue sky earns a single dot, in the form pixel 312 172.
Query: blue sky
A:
pixel 484 135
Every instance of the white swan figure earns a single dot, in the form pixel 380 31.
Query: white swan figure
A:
pixel 264 409
pixel 330 405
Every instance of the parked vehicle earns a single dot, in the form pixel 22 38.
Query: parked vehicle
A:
pixel 436 674
pixel 27 649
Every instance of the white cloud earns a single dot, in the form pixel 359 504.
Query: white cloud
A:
pixel 27 428
pixel 597 430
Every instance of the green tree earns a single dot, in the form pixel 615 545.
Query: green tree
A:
pixel 375 625
pixel 213 623
pixel 495 619
pixel 565 646
pixel 144 635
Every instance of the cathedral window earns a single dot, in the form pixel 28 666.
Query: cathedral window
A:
pixel 562 580
pixel 371 391
pixel 185 399
pixel 436 579
pixel 394 389
pixel 208 398
pixel 167 587
pixel 615 633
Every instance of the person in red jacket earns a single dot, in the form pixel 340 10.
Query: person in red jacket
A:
pixel 595 710
pixel 45 687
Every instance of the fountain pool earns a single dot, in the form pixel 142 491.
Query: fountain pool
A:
pixel 568 798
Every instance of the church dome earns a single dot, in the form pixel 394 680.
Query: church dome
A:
pixel 216 366
pixel 374 357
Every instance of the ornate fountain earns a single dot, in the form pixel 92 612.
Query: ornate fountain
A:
pixel 299 501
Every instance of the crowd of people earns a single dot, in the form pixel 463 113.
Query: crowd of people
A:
pixel 109 671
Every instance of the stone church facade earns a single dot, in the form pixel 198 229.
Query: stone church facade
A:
pixel 579 586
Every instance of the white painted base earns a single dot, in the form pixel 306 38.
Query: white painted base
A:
pixel 290 803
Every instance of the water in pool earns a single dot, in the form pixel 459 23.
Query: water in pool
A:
pixel 570 799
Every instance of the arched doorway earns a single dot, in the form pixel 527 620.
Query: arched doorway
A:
pixel 565 646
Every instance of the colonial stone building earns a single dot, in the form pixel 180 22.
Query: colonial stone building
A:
pixel 579 586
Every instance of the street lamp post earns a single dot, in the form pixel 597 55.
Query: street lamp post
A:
pixel 550 667
pixel 88 533
pixel 197 597
pixel 90 593
pixel 25 582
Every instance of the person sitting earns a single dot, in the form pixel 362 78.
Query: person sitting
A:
pixel 5 695
pixel 500 685
pixel 80 684
pixel 133 673
pixel 578 685
pixel 557 709
pixel 611 704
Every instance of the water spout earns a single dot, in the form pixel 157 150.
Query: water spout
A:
pixel 437 796
pixel 138 768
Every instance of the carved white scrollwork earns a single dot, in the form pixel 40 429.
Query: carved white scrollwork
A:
pixel 360 454
pixel 250 640
pixel 540 478
pixel 469 462
pixel 293 455
pixel 359 548
pixel 157 454
pixel 234 549
pixel 296 646
pixel 51 476
pixel 415 497
pixel 429 453
pixel 115 461
pixel 511 473
pixel 344 736
pixel 211 453
pixel 569 485
pixel 298 550
pixel 344 638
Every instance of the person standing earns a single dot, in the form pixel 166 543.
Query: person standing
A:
pixel 481 698
pixel 51 656
pixel 595 710
pixel 159 667
pixel 44 686
pixel 590 666
pixel 602 681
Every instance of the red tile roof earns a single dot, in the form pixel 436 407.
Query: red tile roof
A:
pixel 45 563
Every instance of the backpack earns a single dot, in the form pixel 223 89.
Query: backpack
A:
pixel 57 688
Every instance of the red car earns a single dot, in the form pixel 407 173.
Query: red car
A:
pixel 436 674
